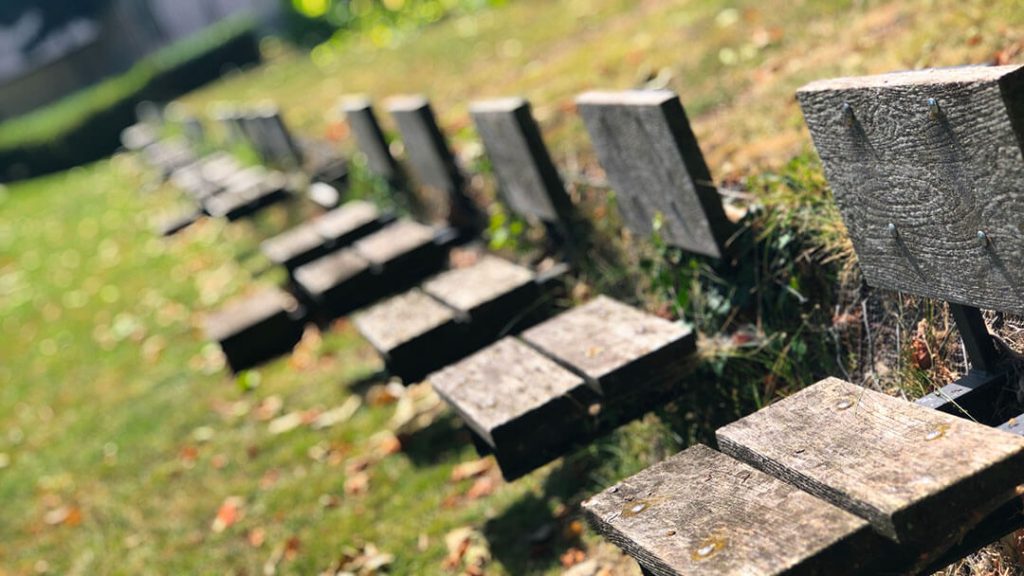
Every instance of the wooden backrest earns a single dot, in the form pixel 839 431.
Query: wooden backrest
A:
pixel 926 168
pixel 280 141
pixel 644 142
pixel 370 138
pixel 527 178
pixel 442 184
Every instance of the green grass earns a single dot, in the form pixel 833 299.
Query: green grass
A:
pixel 122 436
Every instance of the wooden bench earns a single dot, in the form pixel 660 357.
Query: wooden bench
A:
pixel 927 170
pixel 592 368
pixel 461 310
pixel 370 138
pixel 386 261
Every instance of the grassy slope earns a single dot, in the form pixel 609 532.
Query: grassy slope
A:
pixel 108 397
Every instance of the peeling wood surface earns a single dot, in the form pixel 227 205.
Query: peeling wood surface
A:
pixel 702 512
pixel 607 340
pixel 489 278
pixel 939 174
pixel 644 142
pixel 921 477
pixel 400 319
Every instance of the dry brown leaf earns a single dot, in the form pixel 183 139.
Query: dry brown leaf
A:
pixel 572 557
pixel 230 511
pixel 256 537
pixel 471 469
pixel 483 486
pixel 357 483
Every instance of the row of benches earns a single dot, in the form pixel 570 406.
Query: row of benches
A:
pixel 927 170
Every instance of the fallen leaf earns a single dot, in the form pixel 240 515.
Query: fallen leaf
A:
pixel 268 408
pixel 357 483
pixel 256 537
pixel 571 557
pixel 386 444
pixel 66 515
pixel 471 469
pixel 384 394
pixel 291 548
pixel 920 354
pixel 573 530
pixel 483 486
pixel 229 512
pixel 286 423
pixel 338 415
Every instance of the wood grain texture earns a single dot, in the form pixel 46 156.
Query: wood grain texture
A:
pixel 522 404
pixel 527 177
pixel 921 477
pixel 617 347
pixel 488 279
pixel 702 512
pixel 370 138
pixel 938 175
pixel 393 241
pixel 400 319
pixel 644 142
pixel 346 220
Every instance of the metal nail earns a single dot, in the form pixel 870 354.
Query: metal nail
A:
pixel 892 230
pixel 933 108
pixel 983 239
pixel 848 114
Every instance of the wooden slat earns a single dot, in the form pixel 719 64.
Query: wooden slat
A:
pixel 295 246
pixel 321 275
pixel 620 349
pixel 395 322
pixel 391 242
pixel 526 175
pixel 939 174
pixel 701 512
pixel 432 160
pixel 239 314
pixel 921 477
pixel 348 219
pixel 488 280
pixel 256 329
pixel 523 405
pixel 370 138
pixel 644 142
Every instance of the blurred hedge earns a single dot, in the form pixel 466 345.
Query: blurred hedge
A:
pixel 86 126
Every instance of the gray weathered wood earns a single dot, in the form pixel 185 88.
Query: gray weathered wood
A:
pixel 701 512
pixel 347 221
pixel 256 328
pixel 921 477
pixel 399 239
pixel 526 175
pixel 243 197
pixel 433 164
pixel 490 281
pixel 526 407
pixel 644 142
pixel 618 348
pixel 323 274
pixel 399 320
pixel 370 138
pixel 295 247
pixel 938 175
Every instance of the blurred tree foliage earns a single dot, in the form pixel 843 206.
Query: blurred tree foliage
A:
pixel 313 22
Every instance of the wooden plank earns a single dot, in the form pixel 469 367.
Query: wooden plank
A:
pixel 618 348
pixel 414 333
pixel 442 185
pixel 370 138
pixel 321 275
pixel 644 142
pixel 921 477
pixel 392 242
pixel 489 282
pixel 347 221
pixel 522 404
pixel 526 175
pixel 257 328
pixel 916 182
pixel 295 247
pixel 701 512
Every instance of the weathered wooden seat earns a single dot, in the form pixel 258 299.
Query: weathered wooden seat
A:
pixel 490 297
pixel 323 234
pixel 926 168
pixel 258 327
pixel 629 359
pixel 244 196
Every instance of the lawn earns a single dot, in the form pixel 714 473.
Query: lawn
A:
pixel 125 448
